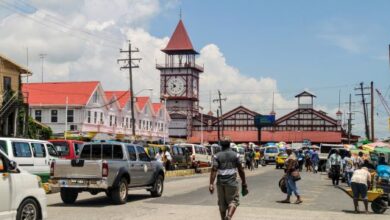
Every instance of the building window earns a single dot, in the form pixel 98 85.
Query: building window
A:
pixel 70 115
pixel 6 83
pixel 54 115
pixel 115 120
pixel 95 117
pixel 89 117
pixel 73 127
pixel 110 120
pixel 101 118
pixel 38 115
pixel 95 97
pixel 127 122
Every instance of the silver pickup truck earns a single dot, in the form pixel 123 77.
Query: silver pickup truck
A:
pixel 110 167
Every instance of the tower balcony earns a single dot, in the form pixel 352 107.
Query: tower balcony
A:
pixel 180 66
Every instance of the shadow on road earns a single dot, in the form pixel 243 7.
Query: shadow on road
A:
pixel 100 201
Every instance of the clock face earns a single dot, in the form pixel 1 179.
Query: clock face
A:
pixel 176 86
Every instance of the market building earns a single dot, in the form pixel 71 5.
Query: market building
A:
pixel 303 124
pixel 85 110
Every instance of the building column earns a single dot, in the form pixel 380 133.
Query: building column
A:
pixel 15 131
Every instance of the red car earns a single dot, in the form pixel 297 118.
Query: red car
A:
pixel 67 149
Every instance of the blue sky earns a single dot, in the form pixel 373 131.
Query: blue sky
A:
pixel 302 44
pixel 323 46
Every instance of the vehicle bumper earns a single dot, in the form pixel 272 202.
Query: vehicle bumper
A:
pixel 43 203
pixel 79 183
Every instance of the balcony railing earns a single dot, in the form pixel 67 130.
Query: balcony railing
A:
pixel 180 65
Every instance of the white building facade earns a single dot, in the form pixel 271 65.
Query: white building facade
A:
pixel 85 110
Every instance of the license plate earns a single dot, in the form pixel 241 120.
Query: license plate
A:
pixel 271 158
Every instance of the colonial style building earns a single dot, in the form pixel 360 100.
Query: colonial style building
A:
pixel 11 98
pixel 179 80
pixel 84 109
pixel 303 124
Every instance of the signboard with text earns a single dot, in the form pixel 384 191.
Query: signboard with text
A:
pixel 264 120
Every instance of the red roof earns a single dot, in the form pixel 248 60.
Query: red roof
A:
pixel 141 101
pixel 55 93
pixel 180 41
pixel 121 96
pixel 156 107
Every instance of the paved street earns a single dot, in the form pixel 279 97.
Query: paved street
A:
pixel 188 198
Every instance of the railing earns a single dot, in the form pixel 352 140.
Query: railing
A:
pixel 9 102
pixel 180 65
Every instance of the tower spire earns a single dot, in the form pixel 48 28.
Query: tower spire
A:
pixel 180 14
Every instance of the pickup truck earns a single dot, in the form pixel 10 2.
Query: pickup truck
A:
pixel 110 167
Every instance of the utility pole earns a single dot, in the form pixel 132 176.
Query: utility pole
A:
pixel 219 100
pixel 349 118
pixel 42 57
pixel 372 112
pixel 218 126
pixel 362 94
pixel 129 64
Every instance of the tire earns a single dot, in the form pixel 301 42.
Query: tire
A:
pixel 158 187
pixel 119 193
pixel 379 206
pixel 69 196
pixel 29 209
pixel 277 167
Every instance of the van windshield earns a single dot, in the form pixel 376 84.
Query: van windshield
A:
pixel 62 148
pixel 271 150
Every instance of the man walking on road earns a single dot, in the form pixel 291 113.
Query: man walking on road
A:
pixel 224 167
pixel 335 166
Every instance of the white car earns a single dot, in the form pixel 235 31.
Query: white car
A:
pixel 22 195
pixel 34 156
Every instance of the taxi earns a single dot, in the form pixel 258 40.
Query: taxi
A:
pixel 280 159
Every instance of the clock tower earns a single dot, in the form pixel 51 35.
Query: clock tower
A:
pixel 179 77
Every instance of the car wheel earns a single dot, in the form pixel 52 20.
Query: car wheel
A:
pixel 69 196
pixel 158 187
pixel 29 209
pixel 119 193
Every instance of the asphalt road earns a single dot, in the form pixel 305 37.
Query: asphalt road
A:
pixel 188 198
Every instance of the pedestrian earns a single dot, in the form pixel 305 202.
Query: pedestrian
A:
pixel 225 166
pixel 248 159
pixel 301 159
pixel 257 158
pixel 335 166
pixel 167 158
pixel 308 164
pixel 360 183
pixel 358 161
pixel 348 167
pixel 159 156
pixel 291 176
pixel 315 159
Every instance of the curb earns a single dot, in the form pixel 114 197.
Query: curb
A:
pixel 189 172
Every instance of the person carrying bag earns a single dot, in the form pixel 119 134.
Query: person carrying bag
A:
pixel 291 177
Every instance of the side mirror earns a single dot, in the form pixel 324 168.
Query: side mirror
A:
pixel 12 165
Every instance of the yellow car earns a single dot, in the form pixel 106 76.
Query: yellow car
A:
pixel 280 159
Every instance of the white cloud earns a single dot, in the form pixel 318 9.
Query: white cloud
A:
pixel 351 44
pixel 254 93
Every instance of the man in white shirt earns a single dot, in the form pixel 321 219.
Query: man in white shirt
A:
pixel 168 159
pixel 360 183
pixel 335 165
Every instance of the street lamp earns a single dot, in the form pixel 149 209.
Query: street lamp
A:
pixel 132 109
pixel 165 96
pixel 201 125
